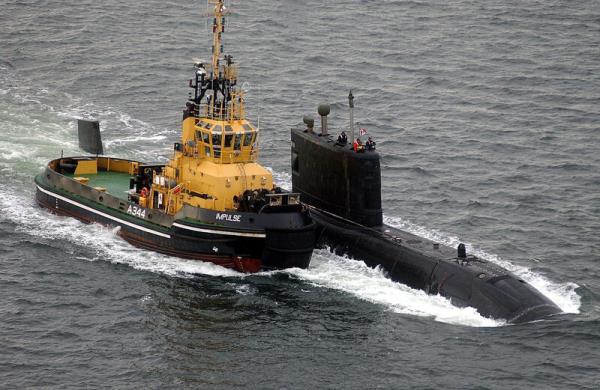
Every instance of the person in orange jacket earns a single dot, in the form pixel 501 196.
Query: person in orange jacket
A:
pixel 358 146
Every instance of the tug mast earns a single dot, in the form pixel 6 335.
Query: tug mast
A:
pixel 215 93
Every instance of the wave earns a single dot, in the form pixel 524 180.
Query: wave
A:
pixel 371 284
pixel 97 242
pixel 49 116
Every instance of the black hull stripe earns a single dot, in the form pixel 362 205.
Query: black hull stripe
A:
pixel 224 261
pixel 108 216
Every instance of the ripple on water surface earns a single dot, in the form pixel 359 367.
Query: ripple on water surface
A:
pixel 485 117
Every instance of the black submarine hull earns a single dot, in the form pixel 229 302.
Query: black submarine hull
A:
pixel 434 268
pixel 343 189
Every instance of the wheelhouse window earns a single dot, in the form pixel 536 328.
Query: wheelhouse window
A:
pixel 237 144
pixel 216 139
pixel 248 138
pixel 228 139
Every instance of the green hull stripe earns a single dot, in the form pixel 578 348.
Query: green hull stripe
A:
pixel 90 209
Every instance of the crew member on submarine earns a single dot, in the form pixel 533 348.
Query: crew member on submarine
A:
pixel 370 144
pixel 358 146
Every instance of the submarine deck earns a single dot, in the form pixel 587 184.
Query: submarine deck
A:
pixel 424 246
pixel 115 183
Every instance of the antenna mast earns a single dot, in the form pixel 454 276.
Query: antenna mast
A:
pixel 215 92
pixel 218 28
pixel 351 104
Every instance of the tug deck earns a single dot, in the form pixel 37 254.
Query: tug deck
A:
pixel 114 183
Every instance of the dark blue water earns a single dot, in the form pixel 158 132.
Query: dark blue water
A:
pixel 487 118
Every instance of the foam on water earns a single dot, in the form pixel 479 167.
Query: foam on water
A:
pixel 101 240
pixel 46 119
pixel 282 179
pixel 563 295
pixel 371 284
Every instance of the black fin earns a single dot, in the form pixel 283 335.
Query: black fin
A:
pixel 90 139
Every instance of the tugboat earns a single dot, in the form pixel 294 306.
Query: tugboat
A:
pixel 212 201
pixel 345 202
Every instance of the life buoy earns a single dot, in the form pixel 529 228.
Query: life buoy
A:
pixel 144 192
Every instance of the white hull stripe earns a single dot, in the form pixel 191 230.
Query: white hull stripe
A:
pixel 133 225
pixel 222 232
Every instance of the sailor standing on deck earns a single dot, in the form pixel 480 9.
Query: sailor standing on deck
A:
pixel 370 144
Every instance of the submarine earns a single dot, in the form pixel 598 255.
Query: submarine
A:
pixel 340 182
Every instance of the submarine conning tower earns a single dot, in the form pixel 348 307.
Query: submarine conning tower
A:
pixel 333 177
